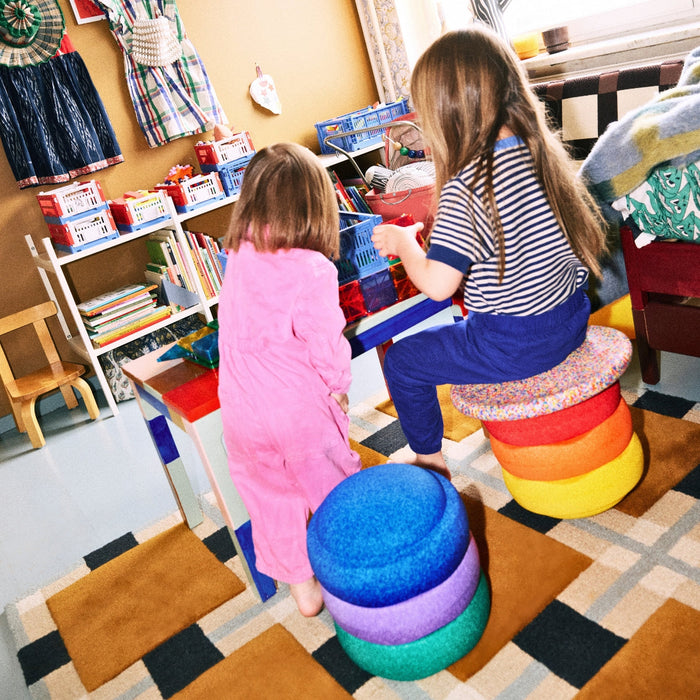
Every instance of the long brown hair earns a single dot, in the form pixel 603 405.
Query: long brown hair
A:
pixel 287 201
pixel 468 85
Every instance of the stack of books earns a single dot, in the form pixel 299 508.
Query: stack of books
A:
pixel 114 315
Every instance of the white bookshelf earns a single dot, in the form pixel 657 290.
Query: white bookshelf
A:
pixel 52 265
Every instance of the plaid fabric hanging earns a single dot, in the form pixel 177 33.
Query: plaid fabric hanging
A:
pixel 171 99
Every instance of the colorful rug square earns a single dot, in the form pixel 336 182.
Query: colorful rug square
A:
pixel 669 644
pixel 293 673
pixel 154 591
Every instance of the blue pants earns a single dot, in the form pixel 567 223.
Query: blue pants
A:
pixel 481 349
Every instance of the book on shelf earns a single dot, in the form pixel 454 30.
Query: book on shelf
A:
pixel 358 199
pixel 99 321
pixel 110 301
pixel 211 270
pixel 164 249
pixel 109 318
pixel 351 195
pixel 157 314
pixel 199 265
pixel 214 249
pixel 344 201
pixel 109 326
pixel 204 250
pixel 155 274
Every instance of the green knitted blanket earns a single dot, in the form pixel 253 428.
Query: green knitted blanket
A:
pixel 665 131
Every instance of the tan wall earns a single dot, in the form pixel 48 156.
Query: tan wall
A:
pixel 314 51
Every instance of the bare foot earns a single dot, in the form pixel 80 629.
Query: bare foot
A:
pixel 435 462
pixel 308 596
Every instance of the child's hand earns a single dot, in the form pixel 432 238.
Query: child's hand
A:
pixel 342 400
pixel 390 239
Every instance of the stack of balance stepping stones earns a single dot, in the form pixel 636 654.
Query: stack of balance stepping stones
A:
pixel 400 571
pixel 564 438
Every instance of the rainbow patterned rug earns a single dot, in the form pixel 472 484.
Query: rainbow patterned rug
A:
pixel 603 607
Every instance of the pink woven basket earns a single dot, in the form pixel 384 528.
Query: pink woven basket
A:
pixel 419 202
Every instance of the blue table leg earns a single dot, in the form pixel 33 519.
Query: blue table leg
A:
pixel 170 459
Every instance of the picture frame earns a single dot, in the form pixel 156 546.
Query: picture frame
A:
pixel 86 11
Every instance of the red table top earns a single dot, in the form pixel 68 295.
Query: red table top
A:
pixel 196 397
pixel 186 388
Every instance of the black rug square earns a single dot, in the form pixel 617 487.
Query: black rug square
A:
pixel 110 551
pixel 690 484
pixel 386 440
pixel 673 406
pixel 181 659
pixel 540 523
pixel 571 645
pixel 221 545
pixel 346 672
pixel 42 656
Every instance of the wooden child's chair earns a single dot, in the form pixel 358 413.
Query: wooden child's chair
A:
pixel 24 391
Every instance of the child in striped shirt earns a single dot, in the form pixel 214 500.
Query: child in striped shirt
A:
pixel 515 228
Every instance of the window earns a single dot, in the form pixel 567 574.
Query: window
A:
pixel 595 20
pixel 672 27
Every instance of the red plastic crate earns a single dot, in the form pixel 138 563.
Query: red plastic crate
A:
pixel 86 231
pixel 351 301
pixel 195 192
pixel 139 209
pixel 225 150
pixel 70 201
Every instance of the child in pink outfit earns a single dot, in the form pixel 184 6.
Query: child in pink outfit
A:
pixel 284 362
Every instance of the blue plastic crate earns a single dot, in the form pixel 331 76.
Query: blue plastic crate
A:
pixel 131 228
pixel 90 244
pixel 370 116
pixel 230 174
pixel 184 208
pixel 358 256
pixel 60 220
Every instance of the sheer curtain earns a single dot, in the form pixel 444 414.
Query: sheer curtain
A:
pixel 385 44
pixel 392 26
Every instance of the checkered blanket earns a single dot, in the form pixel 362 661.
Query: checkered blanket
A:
pixel 666 130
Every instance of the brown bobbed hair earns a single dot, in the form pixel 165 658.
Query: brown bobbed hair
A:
pixel 287 200
pixel 468 85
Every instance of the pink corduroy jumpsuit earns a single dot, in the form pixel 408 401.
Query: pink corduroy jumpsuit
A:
pixel 282 354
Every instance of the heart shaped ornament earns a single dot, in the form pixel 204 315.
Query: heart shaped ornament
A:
pixel 263 91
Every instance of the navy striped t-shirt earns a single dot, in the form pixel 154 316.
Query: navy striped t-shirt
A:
pixel 541 269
